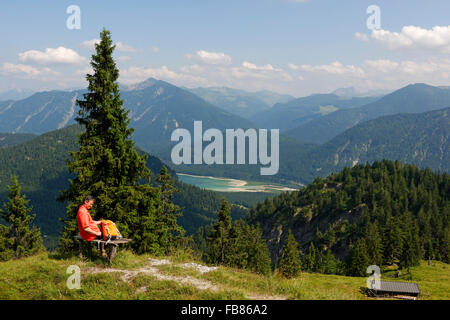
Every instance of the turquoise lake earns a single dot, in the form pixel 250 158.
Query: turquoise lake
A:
pixel 231 185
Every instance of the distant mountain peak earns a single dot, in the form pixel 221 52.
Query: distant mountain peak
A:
pixel 150 82
pixel 16 94
pixel 350 92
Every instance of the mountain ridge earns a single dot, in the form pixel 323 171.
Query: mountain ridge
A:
pixel 414 98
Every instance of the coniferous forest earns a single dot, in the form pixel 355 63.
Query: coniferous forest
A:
pixel 374 214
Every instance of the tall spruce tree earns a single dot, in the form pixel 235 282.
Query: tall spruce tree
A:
pixel 329 265
pixel 411 253
pixel 19 238
pixel 221 237
pixel 392 240
pixel 290 263
pixel 108 167
pixel 374 245
pixel 358 261
pixel 311 259
pixel 249 250
pixel 6 252
pixel 169 231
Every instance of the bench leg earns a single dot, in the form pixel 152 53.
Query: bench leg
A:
pixel 112 250
pixel 80 246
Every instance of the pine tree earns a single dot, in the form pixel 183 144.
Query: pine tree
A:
pixel 411 249
pixel 330 237
pixel 168 229
pixel 392 240
pixel 108 167
pixel 6 244
pixel 374 245
pixel 290 263
pixel 358 261
pixel 220 238
pixel 329 263
pixel 311 258
pixel 249 250
pixel 19 238
pixel 259 256
pixel 446 246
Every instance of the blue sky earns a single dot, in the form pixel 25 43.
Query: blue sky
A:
pixel 295 47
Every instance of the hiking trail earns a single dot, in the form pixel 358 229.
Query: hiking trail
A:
pixel 152 270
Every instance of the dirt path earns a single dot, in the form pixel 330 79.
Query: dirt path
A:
pixel 128 275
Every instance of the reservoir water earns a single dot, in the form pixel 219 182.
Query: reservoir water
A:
pixel 231 185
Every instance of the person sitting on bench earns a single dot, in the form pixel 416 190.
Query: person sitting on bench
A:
pixel 88 228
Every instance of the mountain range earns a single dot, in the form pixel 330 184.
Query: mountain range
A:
pixel 288 115
pixel 239 102
pixel 155 108
pixel 351 92
pixel 420 138
pixel 413 98
pixel 335 131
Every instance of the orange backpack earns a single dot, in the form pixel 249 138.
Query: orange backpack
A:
pixel 110 231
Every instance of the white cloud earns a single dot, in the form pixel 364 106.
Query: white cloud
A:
pixel 361 36
pixel 90 43
pixel 137 74
pixel 336 68
pixel 195 68
pixel 382 74
pixel 251 66
pixel 436 38
pixel 85 71
pixel 52 55
pixel 120 46
pixel 382 65
pixel 25 71
pixel 266 72
pixel 407 67
pixel 215 58
pixel 123 58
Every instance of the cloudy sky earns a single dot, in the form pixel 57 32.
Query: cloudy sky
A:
pixel 288 46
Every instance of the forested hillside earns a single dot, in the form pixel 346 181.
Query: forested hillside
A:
pixel 421 139
pixel 12 139
pixel 41 167
pixel 383 213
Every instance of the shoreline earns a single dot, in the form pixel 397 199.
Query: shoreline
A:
pixel 236 185
pixel 235 182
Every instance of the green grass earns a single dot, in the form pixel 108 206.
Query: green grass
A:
pixel 44 277
pixel 433 279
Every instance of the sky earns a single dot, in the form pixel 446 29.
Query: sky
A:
pixel 297 47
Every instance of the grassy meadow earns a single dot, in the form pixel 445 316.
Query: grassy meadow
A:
pixel 130 276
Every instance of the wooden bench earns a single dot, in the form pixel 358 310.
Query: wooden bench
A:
pixel 110 247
